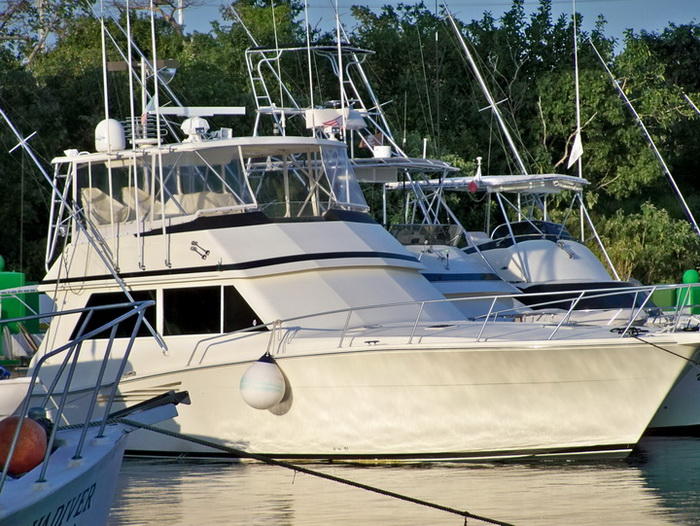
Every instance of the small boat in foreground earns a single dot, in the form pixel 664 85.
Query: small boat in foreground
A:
pixel 56 474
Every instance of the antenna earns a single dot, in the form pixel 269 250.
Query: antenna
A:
pixel 283 119
pixel 104 73
pixel 181 14
pixel 308 58
pixel 576 149
pixel 341 79
pixel 156 102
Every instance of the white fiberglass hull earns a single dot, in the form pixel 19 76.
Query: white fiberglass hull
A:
pixel 442 401
pixel 679 413
pixel 76 492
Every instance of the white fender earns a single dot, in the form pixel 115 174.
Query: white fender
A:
pixel 263 385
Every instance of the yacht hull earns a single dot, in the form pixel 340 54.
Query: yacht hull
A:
pixel 679 413
pixel 426 402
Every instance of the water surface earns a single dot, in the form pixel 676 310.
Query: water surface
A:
pixel 660 485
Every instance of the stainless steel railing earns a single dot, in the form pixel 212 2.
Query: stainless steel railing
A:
pixel 636 305
pixel 66 371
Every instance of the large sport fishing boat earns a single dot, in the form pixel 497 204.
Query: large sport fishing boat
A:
pixel 262 247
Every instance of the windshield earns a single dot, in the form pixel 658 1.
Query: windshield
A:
pixel 288 182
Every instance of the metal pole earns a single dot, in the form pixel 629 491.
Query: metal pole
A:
pixel 676 190
pixel 489 97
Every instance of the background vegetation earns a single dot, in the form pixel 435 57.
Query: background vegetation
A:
pixel 51 83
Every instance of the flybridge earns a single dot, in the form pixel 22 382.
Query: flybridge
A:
pixel 136 191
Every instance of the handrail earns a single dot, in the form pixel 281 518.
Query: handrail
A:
pixel 492 316
pixel 567 315
pixel 72 352
pixel 486 320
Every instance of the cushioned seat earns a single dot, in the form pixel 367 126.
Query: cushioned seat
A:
pixel 102 208
pixel 195 201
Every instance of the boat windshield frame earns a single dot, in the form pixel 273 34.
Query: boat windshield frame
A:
pixel 283 177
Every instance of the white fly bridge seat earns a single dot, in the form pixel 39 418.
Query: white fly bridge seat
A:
pixel 193 202
pixel 102 208
pixel 138 204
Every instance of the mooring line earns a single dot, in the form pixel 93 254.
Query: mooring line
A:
pixel 669 351
pixel 268 460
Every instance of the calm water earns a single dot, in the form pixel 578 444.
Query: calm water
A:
pixel 661 486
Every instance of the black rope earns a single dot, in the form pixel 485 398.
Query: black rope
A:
pixel 634 332
pixel 689 360
pixel 268 460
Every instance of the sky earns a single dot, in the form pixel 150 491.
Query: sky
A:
pixel 650 15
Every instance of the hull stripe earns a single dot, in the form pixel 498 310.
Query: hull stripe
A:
pixel 240 266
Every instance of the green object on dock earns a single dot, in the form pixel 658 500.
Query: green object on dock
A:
pixel 690 296
pixel 664 298
pixel 16 306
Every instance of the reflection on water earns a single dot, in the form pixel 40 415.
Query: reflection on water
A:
pixel 659 486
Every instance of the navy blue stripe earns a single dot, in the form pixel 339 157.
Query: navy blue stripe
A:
pixel 242 266
pixel 473 276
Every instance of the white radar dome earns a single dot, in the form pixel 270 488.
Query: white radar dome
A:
pixel 109 136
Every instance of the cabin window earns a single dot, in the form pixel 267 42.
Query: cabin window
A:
pixel 198 310
pixel 195 310
pixel 101 317
pixel 101 193
pixel 346 189
pixel 288 186
pixel 237 313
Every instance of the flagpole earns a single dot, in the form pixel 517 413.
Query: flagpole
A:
pixel 578 147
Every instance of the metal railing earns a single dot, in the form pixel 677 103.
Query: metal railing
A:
pixel 635 302
pixel 135 312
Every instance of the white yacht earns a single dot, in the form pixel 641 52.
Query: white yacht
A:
pixel 533 254
pixel 262 247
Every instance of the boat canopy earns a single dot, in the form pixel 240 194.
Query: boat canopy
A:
pixel 284 177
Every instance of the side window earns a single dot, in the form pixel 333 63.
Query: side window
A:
pixel 103 316
pixel 195 310
pixel 237 313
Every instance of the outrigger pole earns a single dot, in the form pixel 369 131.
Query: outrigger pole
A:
pixel 75 214
pixel 674 186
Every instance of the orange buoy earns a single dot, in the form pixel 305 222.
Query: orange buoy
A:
pixel 31 445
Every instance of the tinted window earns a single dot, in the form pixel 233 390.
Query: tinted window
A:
pixel 536 228
pixel 103 316
pixel 237 313
pixel 195 310
pixel 590 300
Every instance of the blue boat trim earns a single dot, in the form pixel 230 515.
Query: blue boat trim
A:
pixel 470 276
pixel 241 266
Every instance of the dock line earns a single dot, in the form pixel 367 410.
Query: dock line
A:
pixel 268 460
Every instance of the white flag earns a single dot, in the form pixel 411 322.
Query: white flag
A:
pixel 576 150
